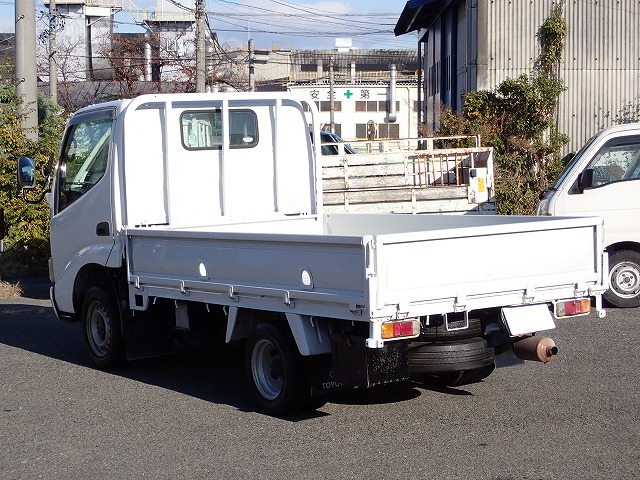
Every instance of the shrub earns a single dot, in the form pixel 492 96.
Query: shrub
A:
pixel 27 235
pixel 518 119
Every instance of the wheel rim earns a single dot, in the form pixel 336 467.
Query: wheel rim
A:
pixel 99 329
pixel 267 369
pixel 624 279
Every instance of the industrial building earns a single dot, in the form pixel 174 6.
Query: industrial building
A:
pixel 476 44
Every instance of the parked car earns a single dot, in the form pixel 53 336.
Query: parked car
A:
pixel 329 146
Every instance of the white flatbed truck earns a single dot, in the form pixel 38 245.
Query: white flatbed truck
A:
pixel 175 214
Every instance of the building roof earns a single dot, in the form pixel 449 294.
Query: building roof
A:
pixel 419 14
pixel 367 60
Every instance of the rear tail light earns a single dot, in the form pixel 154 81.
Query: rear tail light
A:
pixel 570 308
pixel 401 329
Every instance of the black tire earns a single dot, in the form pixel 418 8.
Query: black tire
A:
pixel 624 279
pixel 275 372
pixel 438 333
pixel 438 358
pixel 102 328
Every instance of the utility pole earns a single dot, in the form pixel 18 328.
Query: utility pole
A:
pixel 53 69
pixel 252 81
pixel 252 60
pixel 26 87
pixel 200 48
pixel 331 99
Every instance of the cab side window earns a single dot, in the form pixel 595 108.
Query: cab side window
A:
pixel 243 129
pixel 617 160
pixel 83 161
pixel 203 129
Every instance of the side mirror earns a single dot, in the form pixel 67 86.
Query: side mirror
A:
pixel 26 173
pixel 585 180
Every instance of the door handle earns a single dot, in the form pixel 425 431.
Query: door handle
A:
pixel 102 229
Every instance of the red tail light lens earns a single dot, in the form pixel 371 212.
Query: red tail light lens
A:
pixel 400 329
pixel 570 308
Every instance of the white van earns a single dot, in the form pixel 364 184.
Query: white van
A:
pixel 603 179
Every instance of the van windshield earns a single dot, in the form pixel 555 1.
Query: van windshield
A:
pixel 572 163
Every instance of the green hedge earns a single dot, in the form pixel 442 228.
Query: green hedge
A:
pixel 27 225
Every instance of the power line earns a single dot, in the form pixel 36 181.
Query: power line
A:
pixel 290 16
pixel 296 21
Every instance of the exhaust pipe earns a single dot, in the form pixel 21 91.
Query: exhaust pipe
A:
pixel 538 349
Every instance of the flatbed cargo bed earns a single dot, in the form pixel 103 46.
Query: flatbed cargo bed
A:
pixel 369 266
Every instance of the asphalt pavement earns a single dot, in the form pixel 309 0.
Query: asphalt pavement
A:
pixel 188 415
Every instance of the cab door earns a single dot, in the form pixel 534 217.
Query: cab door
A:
pixel 82 230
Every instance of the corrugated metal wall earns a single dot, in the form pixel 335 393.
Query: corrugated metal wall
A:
pixel 601 67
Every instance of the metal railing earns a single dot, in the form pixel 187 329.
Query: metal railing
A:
pixel 382 76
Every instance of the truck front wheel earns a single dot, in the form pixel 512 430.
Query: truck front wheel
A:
pixel 624 279
pixel 101 328
pixel 274 370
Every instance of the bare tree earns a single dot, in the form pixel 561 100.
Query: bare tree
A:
pixel 136 57
pixel 133 64
pixel 227 68
pixel 74 91
pixel 70 59
pixel 126 57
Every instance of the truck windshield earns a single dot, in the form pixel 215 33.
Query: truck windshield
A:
pixel 618 159
pixel 83 161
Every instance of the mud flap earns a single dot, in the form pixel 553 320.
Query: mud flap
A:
pixel 356 365
pixel 321 377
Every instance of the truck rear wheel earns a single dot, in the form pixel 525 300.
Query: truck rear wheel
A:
pixel 275 371
pixel 624 279
pixel 101 328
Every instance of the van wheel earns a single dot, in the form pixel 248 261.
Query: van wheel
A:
pixel 624 279
pixel 101 328
pixel 275 372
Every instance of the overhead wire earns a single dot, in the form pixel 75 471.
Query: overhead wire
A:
pixel 289 16
pixel 303 25
pixel 324 13
pixel 300 13
pixel 296 21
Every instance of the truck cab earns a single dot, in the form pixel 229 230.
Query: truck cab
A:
pixel 603 179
